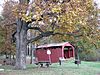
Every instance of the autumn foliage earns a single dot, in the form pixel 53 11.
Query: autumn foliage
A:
pixel 66 20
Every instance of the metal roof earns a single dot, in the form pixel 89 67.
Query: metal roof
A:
pixel 54 45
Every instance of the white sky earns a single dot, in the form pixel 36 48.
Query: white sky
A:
pixel 98 3
pixel 1 2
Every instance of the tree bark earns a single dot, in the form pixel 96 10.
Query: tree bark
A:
pixel 76 53
pixel 21 44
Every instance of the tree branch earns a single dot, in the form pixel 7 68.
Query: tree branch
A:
pixel 44 34
pixel 48 33
pixel 8 24
pixel 70 34
pixel 13 37
pixel 36 28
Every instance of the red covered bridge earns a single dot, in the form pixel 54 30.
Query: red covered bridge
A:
pixel 52 53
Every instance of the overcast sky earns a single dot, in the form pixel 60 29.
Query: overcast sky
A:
pixel 1 2
pixel 98 3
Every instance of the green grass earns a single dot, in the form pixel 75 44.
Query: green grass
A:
pixel 67 68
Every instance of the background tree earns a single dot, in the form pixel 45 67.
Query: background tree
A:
pixel 8 28
pixel 1 35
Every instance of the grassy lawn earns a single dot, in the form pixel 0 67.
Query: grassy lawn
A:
pixel 67 68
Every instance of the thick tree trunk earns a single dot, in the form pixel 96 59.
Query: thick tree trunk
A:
pixel 21 44
pixel 76 53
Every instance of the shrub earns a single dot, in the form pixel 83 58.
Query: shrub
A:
pixel 90 55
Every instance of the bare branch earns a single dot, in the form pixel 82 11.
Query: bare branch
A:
pixel 44 34
pixel 48 33
pixel 36 28
pixel 13 36
pixel 8 24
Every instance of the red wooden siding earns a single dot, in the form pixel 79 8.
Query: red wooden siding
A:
pixel 55 54
pixel 42 55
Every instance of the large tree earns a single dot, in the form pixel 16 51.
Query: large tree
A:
pixel 23 24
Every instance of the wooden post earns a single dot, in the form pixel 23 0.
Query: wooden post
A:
pixel 69 53
pixel 62 51
pixel 49 53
